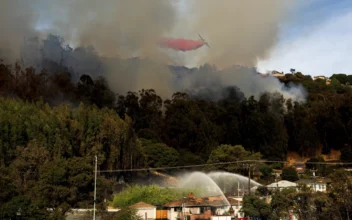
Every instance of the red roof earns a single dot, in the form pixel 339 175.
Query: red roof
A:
pixel 142 205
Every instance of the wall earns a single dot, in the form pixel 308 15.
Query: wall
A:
pixel 151 213
pixel 321 187
pixel 172 214
pixel 162 214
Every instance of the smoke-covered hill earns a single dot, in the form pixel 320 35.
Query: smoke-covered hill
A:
pixel 133 74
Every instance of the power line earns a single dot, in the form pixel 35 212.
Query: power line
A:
pixel 220 163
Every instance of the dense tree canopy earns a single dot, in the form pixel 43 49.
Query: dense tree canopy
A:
pixel 52 123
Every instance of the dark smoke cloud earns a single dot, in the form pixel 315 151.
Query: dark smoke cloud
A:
pixel 103 35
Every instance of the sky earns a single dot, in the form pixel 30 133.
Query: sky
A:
pixel 316 40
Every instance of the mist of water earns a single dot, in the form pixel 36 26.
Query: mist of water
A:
pixel 200 180
pixel 214 183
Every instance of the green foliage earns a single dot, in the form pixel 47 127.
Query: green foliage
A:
pixel 342 78
pixel 320 169
pixel 151 194
pixel 189 158
pixel 290 174
pixel 47 153
pixel 346 155
pixel 228 153
pixel 262 191
pixel 266 170
pixel 255 207
pixel 47 148
pixel 159 154
pixel 282 202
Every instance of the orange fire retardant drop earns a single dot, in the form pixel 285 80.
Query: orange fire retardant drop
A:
pixel 180 44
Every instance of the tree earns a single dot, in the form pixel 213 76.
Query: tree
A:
pixel 228 153
pixel 289 173
pixel 346 155
pixel 342 78
pixel 266 171
pixel 320 169
pixel 255 207
pixel 186 126
pixel 281 203
pixel 341 193
pixel 159 154
pixel 151 194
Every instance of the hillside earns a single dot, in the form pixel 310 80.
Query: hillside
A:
pixel 51 126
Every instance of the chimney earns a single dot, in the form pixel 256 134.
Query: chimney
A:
pixel 191 196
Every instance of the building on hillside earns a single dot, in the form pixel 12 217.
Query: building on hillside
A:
pixel 318 184
pixel 277 74
pixel 145 210
pixel 282 184
pixel 320 77
pixel 300 167
pixel 327 80
pixel 277 173
pixel 214 207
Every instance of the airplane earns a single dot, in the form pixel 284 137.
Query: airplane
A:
pixel 181 44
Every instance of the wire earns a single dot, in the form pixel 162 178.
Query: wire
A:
pixel 220 163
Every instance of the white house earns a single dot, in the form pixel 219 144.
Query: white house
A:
pixel 145 210
pixel 282 184
pixel 320 77
pixel 316 184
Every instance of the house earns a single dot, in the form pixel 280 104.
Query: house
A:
pixel 327 80
pixel 214 207
pixel 277 74
pixel 320 77
pixel 282 184
pixel 300 167
pixel 316 184
pixel 145 210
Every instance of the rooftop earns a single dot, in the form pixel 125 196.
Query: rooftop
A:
pixel 213 201
pixel 142 205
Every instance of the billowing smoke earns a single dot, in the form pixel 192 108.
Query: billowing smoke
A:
pixel 212 81
pixel 16 21
pixel 103 35
pixel 239 32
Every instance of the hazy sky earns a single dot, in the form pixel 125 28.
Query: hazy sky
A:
pixel 317 40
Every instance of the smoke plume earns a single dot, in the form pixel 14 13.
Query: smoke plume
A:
pixel 103 35
pixel 239 32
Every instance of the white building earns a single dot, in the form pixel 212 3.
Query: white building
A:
pixel 282 184
pixel 320 77
pixel 146 211
pixel 316 184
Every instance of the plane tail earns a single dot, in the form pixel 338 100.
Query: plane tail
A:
pixel 202 39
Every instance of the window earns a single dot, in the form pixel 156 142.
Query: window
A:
pixel 178 209
pixel 203 209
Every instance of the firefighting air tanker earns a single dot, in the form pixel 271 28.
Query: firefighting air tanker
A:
pixel 180 44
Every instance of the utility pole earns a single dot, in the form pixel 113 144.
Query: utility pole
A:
pixel 95 185
pixel 249 179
